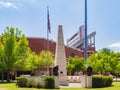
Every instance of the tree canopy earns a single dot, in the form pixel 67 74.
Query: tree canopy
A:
pixel 44 58
pixel 15 53
pixel 14 48
pixel 104 60
pixel 76 64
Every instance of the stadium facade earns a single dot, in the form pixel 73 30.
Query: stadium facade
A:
pixel 77 40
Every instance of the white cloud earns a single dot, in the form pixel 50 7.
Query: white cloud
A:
pixel 115 45
pixel 8 4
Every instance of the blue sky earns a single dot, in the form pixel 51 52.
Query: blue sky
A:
pixel 30 16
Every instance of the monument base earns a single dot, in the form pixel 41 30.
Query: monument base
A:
pixel 56 78
pixel 84 81
pixel 63 81
pixel 89 81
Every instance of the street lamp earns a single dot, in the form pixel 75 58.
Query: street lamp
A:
pixel 86 41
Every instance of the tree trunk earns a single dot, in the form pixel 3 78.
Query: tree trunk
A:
pixel 2 76
pixel 70 73
pixel 15 74
pixel 8 76
pixel 116 76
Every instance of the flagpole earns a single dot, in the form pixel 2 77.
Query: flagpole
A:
pixel 47 28
pixel 48 31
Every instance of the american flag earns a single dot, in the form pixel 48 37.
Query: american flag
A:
pixel 48 20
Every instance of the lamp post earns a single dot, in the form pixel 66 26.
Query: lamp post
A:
pixel 86 41
pixel 89 69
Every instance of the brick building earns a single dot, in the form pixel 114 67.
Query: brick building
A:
pixel 38 44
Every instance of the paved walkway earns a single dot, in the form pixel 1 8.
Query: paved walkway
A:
pixel 77 85
pixel 118 79
pixel 3 89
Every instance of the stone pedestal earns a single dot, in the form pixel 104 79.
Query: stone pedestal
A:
pixel 60 57
pixel 63 80
pixel 84 81
pixel 56 78
pixel 89 81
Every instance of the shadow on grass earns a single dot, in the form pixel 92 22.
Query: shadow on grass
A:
pixel 7 82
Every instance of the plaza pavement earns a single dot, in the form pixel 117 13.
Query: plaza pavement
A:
pixel 76 85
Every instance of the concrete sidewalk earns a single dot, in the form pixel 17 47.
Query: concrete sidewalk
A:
pixel 118 79
pixel 76 85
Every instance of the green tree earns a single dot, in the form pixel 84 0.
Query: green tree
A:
pixel 46 58
pixel 75 64
pixel 15 48
pixel 95 63
pixel 33 61
pixel 2 62
pixel 70 65
pixel 22 52
pixel 105 51
pixel 104 60
pixel 42 60
pixel 79 64
pixel 118 68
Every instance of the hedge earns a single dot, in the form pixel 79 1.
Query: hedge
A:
pixel 49 82
pixel 101 81
pixel 32 83
pixel 22 81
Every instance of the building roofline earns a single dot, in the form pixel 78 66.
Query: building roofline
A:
pixel 35 37
pixel 53 41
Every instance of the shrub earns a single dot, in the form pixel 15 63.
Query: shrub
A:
pixel 101 81
pixel 96 81
pixel 109 80
pixel 31 83
pixel 38 85
pixel 22 81
pixel 49 82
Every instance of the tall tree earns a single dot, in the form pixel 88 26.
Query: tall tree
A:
pixel 45 59
pixel 70 65
pixel 105 51
pixel 79 64
pixel 104 60
pixel 75 64
pixel 2 62
pixel 22 51
pixel 33 61
pixel 42 60
pixel 15 47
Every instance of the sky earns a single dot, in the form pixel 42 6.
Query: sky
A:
pixel 30 16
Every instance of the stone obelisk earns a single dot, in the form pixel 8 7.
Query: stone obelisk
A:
pixel 60 57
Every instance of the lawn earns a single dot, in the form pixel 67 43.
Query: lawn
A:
pixel 12 86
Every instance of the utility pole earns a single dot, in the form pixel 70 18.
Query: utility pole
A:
pixel 86 40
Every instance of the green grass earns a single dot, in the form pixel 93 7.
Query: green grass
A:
pixel 12 86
